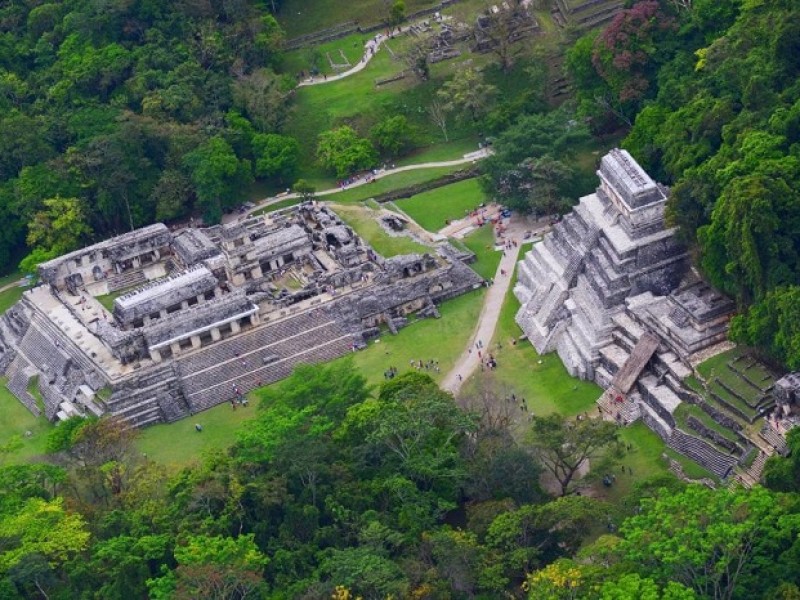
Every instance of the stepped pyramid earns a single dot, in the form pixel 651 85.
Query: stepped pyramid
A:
pixel 612 246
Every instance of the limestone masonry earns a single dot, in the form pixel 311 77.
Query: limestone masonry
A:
pixel 205 315
pixel 610 289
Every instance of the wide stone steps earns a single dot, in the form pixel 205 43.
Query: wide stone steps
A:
pixel 126 280
pixel 625 412
pixel 774 439
pixel 42 352
pixel 702 453
pixel 18 384
pixel 247 379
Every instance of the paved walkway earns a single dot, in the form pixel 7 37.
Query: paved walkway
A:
pixel 487 321
pixel 363 180
pixel 22 282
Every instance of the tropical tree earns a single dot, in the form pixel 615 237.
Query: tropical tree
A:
pixel 466 94
pixel 563 447
pixel 344 152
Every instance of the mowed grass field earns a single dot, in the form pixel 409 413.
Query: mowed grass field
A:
pixel 481 243
pixel 432 209
pixel 363 221
pixel 298 17
pixel 15 421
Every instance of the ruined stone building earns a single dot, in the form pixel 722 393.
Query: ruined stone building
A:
pixel 205 315
pixel 611 290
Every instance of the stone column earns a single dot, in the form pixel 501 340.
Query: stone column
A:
pixel 257 272
pixel 196 343
pixel 215 334
pixel 235 327
pixel 155 355
pixel 201 298
pixel 163 313
pixel 176 348
pixel 136 262
pixel 254 319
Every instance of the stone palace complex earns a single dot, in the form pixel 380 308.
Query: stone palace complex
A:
pixel 611 290
pixel 206 315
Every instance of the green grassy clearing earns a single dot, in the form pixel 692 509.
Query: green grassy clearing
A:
pixel 440 151
pixel 177 444
pixel 389 183
pixel 299 17
pixel 685 410
pixel 10 297
pixel 357 101
pixel 10 278
pixel 433 208
pixel 362 220
pixel 306 59
pixel 481 243
pixel 15 420
pixel 107 300
pixel 642 461
pixel 442 339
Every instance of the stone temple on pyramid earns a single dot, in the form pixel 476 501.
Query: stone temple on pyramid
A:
pixel 610 289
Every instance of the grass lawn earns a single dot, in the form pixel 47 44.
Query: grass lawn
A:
pixel 442 339
pixel 541 380
pixel 362 220
pixel 177 444
pixel 304 59
pixel 431 209
pixel 300 17
pixel 9 297
pixel 390 183
pixel 642 461
pixel 15 420
pixel 277 206
pixel 481 242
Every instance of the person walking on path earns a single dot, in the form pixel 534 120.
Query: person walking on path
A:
pixel 469 361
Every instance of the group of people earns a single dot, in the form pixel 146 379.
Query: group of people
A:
pixel 428 365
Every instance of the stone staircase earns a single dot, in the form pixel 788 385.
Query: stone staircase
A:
pixel 154 397
pixel 19 374
pixel 628 410
pixel 774 439
pixel 126 280
pixel 260 357
pixel 633 367
pixel 752 475
pixel 702 453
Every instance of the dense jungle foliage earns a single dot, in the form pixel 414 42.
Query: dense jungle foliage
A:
pixel 333 492
pixel 130 112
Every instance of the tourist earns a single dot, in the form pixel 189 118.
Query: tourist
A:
pixel 198 427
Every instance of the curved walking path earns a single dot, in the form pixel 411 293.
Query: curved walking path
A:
pixel 363 180
pixel 487 322
pixel 19 283
pixel 370 49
